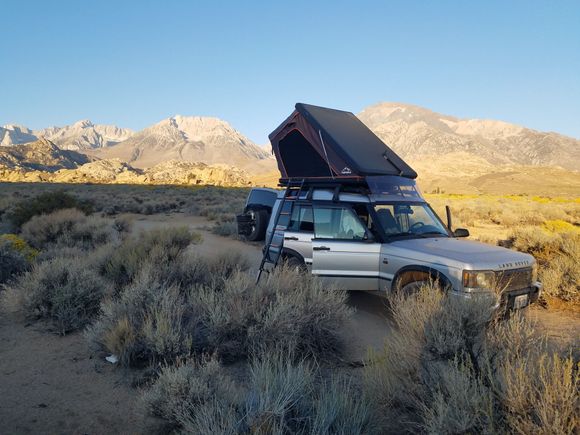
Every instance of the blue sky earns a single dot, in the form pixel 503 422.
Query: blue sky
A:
pixel 133 63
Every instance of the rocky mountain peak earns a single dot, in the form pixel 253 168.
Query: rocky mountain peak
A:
pixel 83 123
pixel 190 139
pixel 414 132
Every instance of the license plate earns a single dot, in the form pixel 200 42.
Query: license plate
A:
pixel 520 301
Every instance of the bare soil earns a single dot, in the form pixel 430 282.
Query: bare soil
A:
pixel 53 384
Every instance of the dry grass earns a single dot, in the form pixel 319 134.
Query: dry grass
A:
pixel 549 229
pixel 280 396
pixel 192 306
pixel 68 228
pixel 16 257
pixel 64 290
pixel 209 201
pixel 453 367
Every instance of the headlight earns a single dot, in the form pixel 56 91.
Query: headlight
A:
pixel 534 272
pixel 478 280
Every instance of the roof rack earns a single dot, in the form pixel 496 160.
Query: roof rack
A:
pixel 326 181
pixel 350 185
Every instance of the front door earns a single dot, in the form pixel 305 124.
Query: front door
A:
pixel 344 252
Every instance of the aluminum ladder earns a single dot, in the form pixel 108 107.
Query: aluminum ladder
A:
pixel 291 187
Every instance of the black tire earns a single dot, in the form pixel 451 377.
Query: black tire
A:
pixel 293 262
pixel 414 287
pixel 261 218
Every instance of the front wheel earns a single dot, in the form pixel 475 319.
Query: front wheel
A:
pixel 415 287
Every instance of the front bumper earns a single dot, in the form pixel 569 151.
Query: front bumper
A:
pixel 507 299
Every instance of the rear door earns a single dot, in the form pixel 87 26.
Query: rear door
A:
pixel 344 251
pixel 279 229
pixel 298 236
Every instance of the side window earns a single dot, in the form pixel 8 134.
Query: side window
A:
pixel 306 219
pixel 337 223
pixel 301 219
pixel 284 218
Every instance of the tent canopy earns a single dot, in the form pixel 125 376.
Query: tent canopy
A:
pixel 319 143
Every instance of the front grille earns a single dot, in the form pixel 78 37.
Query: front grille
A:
pixel 514 279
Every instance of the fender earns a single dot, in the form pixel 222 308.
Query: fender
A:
pixel 433 274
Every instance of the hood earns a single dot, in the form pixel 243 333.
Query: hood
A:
pixel 469 254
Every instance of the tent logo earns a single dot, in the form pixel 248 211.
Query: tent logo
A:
pixel 346 171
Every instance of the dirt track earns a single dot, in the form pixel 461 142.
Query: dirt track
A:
pixel 51 384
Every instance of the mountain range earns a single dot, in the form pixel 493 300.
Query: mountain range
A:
pixel 189 139
pixel 82 135
pixel 449 153
pixel 413 132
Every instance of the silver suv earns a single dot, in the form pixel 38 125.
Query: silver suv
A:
pixel 388 242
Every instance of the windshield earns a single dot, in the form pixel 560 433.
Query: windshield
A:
pixel 409 220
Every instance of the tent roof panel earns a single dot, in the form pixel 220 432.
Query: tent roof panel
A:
pixel 354 142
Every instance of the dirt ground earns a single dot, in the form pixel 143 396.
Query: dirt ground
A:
pixel 52 384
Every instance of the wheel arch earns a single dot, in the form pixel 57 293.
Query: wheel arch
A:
pixel 286 252
pixel 418 270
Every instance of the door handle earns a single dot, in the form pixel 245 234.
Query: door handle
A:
pixel 321 248
pixel 291 238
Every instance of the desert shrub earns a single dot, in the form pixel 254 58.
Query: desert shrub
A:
pixel 340 408
pixel 558 255
pixel 156 246
pixel 15 257
pixel 46 203
pixel 287 309
pixel 195 396
pixel 68 228
pixel 123 225
pixel 226 228
pixel 281 396
pixel 305 314
pixel 63 290
pixel 148 323
pixel 193 305
pixel 280 391
pixel 158 316
pixel 451 366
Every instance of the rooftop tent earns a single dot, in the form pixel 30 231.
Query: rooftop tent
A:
pixel 320 143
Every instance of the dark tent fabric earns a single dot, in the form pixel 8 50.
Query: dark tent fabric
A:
pixel 321 143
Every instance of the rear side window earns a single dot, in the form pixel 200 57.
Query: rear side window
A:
pixel 337 223
pixel 302 219
pixel 262 197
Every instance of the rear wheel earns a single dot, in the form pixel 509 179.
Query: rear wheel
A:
pixel 260 218
pixel 295 263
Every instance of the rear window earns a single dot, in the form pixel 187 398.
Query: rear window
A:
pixel 262 197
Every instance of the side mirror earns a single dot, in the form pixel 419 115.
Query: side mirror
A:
pixel 461 232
